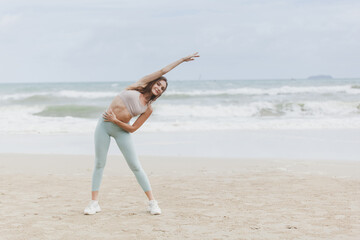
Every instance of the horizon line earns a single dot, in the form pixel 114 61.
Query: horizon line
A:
pixel 241 79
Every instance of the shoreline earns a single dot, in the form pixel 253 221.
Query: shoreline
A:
pixel 329 144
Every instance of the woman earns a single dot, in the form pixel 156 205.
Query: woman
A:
pixel 135 100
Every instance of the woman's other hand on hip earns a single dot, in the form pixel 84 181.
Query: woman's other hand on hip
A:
pixel 109 116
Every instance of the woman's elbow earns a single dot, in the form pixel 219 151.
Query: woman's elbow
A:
pixel 131 130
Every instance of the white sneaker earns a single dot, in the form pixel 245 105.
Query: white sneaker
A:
pixel 92 208
pixel 153 207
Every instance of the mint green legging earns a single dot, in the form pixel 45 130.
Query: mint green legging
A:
pixel 105 130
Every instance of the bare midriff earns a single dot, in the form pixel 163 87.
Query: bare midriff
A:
pixel 120 110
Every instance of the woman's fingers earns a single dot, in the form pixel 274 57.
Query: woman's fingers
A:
pixel 106 116
pixel 192 56
pixel 109 116
pixel 195 54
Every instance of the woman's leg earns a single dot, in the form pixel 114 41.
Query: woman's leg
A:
pixel 102 143
pixel 126 145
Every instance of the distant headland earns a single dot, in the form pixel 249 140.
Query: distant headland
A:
pixel 320 77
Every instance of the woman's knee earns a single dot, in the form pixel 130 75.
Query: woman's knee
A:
pixel 135 167
pixel 100 164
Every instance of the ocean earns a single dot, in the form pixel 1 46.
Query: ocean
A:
pixel 203 105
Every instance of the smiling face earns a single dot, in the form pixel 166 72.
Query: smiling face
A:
pixel 159 87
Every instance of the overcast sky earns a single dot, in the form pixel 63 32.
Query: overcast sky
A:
pixel 122 40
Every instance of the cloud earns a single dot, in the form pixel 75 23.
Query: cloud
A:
pixel 9 20
pixel 95 40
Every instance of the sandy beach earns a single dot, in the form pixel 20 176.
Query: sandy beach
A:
pixel 43 197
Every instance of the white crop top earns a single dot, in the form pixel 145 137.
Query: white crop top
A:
pixel 131 99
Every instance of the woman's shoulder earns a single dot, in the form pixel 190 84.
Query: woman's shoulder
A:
pixel 129 91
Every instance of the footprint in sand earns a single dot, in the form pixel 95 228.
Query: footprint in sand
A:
pixel 255 227
pixel 291 227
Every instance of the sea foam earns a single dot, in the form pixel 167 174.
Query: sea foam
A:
pixel 187 106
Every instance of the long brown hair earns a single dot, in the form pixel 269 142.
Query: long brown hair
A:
pixel 147 88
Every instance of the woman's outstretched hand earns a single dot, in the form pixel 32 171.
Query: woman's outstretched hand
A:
pixel 109 116
pixel 191 57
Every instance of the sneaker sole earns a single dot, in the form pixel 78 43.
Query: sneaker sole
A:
pixel 87 213
pixel 157 213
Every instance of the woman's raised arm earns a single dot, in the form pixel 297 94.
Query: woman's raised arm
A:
pixel 148 78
